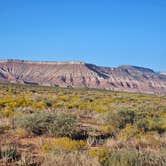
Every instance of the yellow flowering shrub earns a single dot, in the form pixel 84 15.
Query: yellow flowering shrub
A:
pixel 38 105
pixel 6 113
pixel 46 147
pixel 99 153
pixel 63 143
pixel 98 106
pixel 68 144
pixel 128 132
pixel 21 133
pixel 107 128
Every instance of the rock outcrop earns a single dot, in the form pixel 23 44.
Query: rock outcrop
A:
pixel 163 73
pixel 80 74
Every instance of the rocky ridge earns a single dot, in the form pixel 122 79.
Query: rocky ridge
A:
pixel 80 74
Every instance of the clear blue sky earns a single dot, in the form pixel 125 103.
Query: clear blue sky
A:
pixel 104 32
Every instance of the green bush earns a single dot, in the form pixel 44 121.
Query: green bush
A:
pixel 56 124
pixel 143 124
pixel 62 125
pixel 120 118
pixel 126 116
pixel 48 102
pixel 9 152
pixel 129 132
pixel 132 157
pixel 149 124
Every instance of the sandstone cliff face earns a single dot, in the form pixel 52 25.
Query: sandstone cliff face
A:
pixel 79 74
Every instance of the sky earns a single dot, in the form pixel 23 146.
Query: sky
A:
pixel 102 32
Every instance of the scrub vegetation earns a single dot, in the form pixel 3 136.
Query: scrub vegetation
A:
pixel 47 126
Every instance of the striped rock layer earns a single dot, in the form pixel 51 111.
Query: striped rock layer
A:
pixel 80 74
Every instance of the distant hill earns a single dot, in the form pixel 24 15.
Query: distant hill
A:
pixel 80 74
pixel 163 73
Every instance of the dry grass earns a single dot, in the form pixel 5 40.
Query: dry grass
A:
pixel 108 126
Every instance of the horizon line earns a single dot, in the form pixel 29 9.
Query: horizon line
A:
pixel 68 62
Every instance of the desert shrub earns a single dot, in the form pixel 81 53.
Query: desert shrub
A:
pixel 120 118
pixel 2 129
pixel 68 144
pixel 63 125
pixel 56 124
pixel 9 153
pixel 143 124
pixel 108 129
pixel 99 106
pixel 112 118
pixel 126 116
pixel 7 113
pixel 48 103
pixel 39 105
pixel 150 139
pixel 158 124
pixel 128 132
pixel 63 144
pixel 120 158
pixel 132 157
pixel 35 123
pixel 29 159
pixel 149 124
pixel 98 152
pixel 73 158
pixel 21 133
